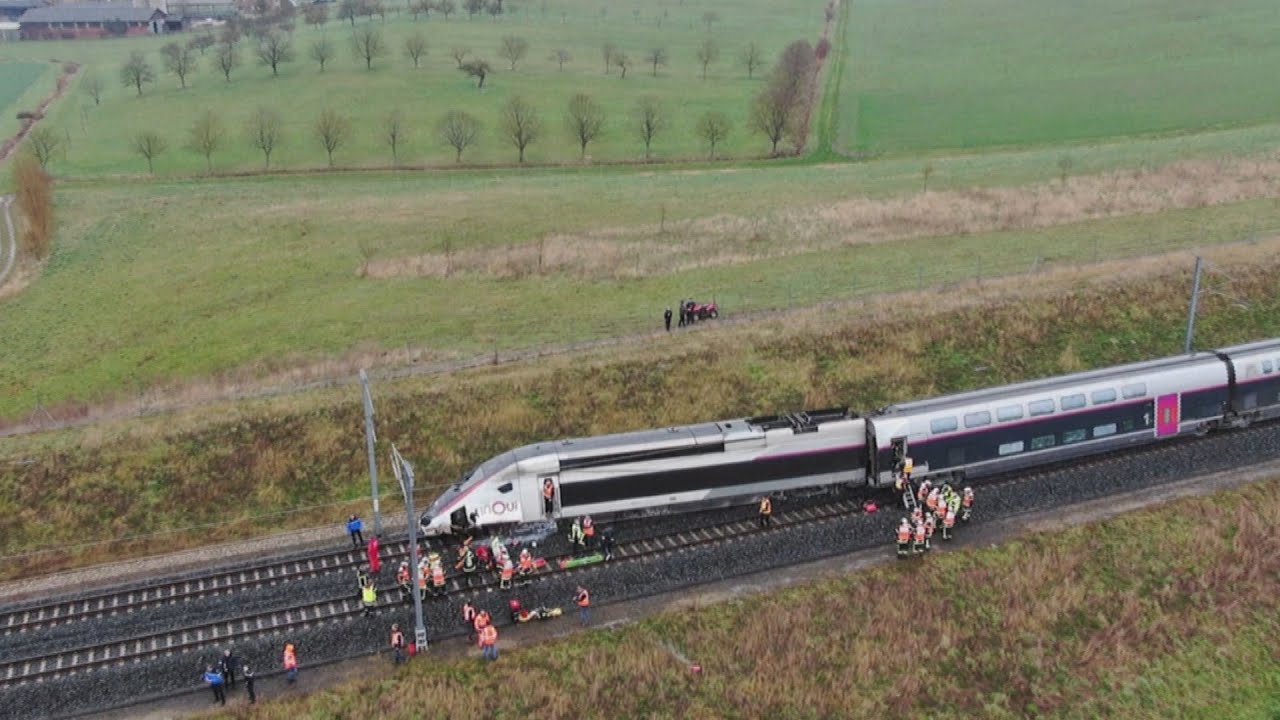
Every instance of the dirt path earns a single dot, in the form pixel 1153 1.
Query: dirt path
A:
pixel 625 613
pixel 69 71
pixel 7 232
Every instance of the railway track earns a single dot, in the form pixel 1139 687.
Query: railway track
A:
pixel 55 665
pixel 52 666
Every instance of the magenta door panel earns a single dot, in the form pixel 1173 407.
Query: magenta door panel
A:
pixel 1167 415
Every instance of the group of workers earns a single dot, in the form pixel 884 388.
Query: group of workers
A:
pixel 931 508
pixel 221 676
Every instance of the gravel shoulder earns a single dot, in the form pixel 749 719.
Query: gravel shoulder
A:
pixel 620 613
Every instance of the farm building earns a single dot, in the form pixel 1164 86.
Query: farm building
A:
pixel 191 9
pixel 11 10
pixel 68 22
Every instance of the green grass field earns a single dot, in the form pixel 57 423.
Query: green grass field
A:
pixel 19 86
pixel 932 75
pixel 100 135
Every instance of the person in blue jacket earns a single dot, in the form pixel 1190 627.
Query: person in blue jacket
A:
pixel 356 527
pixel 214 678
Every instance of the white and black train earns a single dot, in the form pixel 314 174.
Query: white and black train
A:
pixel 967 434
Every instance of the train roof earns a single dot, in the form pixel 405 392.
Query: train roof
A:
pixel 1253 347
pixel 1052 383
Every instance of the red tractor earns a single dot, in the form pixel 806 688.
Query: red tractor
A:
pixel 701 311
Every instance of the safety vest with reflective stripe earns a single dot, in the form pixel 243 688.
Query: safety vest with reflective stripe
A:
pixel 526 561
pixel 403 575
pixel 397 639
pixel 904 533
pixel 588 527
pixel 766 507
pixel 370 594
pixel 950 521
pixel 437 575
pixel 920 533
pixel 507 571
pixel 584 599
pixel 967 500
pixel 489 635
pixel 548 490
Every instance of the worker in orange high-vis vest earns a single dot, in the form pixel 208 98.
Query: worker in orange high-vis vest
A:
pixel 508 571
pixel 948 523
pixel 583 599
pixel 489 642
pixel 766 512
pixel 526 566
pixel 588 531
pixel 919 537
pixel 966 505
pixel 904 538
pixel 930 524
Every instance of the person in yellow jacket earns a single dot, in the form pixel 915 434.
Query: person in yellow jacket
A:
pixel 765 518
pixel 369 597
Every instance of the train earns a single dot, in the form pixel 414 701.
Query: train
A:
pixel 961 436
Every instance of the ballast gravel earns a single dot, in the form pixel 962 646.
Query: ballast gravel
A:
pixel 622 579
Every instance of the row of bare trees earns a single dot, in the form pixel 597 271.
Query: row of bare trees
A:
pixel 520 123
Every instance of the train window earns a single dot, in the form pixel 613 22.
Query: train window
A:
pixel 1267 367
pixel 1074 436
pixel 1073 402
pixel 1104 430
pixel 977 419
pixel 1011 448
pixel 1040 407
pixel 1009 412
pixel 1103 396
pixel 1136 390
pixel 1042 442
pixel 504 488
pixel 942 425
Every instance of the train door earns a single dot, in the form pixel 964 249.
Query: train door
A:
pixel 899 446
pixel 533 498
pixel 1167 415
pixel 461 520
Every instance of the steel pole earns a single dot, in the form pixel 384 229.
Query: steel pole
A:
pixel 419 627
pixel 369 440
pixel 1191 312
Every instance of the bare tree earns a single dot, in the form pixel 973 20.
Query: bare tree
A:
pixel 656 57
pixel 460 130
pixel 264 132
pixel 586 120
pixel 316 14
pixel 367 8
pixel 348 10
pixel 459 54
pixel 206 136
pixel 474 7
pixel 226 58
pixel 752 58
pixel 561 56
pixel 150 145
pixel 782 108
pixel 650 120
pixel 415 46
pixel 332 130
pixel 92 86
pixel 513 49
pixel 608 50
pixel 447 8
pixel 43 141
pixel 709 18
pixel 368 44
pixel 202 42
pixel 275 47
pixel 179 60
pixel 623 62
pixel 322 51
pixel 379 8
pixel 521 123
pixel 714 127
pixel 708 52
pixel 494 8
pixel 393 132
pixel 136 72
pixel 419 7
pixel 478 69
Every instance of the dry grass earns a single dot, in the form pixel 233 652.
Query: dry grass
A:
pixel 262 466
pixel 1164 613
pixel 646 251
pixel 34 200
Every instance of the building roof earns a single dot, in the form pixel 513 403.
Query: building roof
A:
pixel 97 12
pixel 20 4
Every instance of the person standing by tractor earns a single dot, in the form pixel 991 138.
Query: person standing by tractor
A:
pixel 765 517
